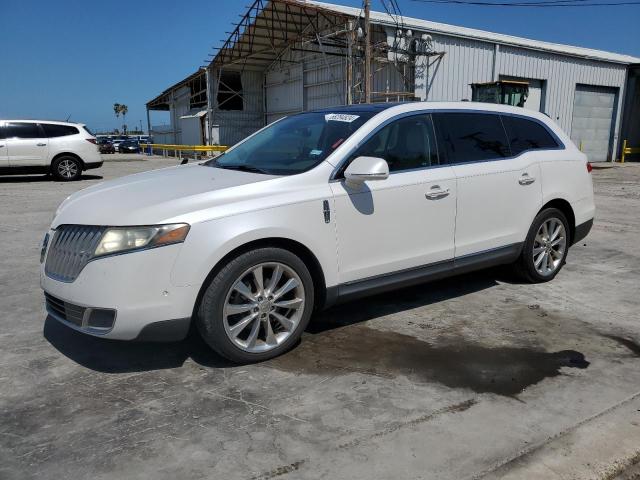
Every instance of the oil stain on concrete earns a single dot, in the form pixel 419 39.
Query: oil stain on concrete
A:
pixel 358 348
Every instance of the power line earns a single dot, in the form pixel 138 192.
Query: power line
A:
pixel 542 4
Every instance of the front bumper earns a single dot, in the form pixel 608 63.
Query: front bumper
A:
pixel 136 287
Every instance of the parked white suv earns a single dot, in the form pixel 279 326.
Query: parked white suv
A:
pixel 62 149
pixel 315 209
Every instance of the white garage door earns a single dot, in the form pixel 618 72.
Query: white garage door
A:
pixel 593 119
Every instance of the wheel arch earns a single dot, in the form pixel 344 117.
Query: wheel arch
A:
pixel 565 207
pixel 293 246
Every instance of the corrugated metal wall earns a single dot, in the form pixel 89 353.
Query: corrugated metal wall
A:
pixel 472 61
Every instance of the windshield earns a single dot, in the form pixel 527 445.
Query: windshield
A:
pixel 294 144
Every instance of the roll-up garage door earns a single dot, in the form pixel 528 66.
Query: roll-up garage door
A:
pixel 594 110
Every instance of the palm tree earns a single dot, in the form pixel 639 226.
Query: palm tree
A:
pixel 123 110
pixel 116 109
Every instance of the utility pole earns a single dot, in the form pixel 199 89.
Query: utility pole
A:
pixel 367 51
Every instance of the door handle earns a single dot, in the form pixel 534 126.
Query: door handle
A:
pixel 1 146
pixel 437 193
pixel 42 145
pixel 525 179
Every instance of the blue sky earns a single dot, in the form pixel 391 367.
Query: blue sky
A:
pixel 77 58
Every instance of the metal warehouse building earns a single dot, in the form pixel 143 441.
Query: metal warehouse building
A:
pixel 288 56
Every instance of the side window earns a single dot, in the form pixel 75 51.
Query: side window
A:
pixel 52 130
pixel 2 132
pixel 526 134
pixel 405 144
pixel 471 137
pixel 23 130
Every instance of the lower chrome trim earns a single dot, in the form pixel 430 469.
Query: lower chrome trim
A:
pixel 426 273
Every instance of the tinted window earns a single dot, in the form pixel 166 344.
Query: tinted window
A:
pixel 23 130
pixel 405 144
pixel 52 130
pixel 527 135
pixel 2 133
pixel 470 137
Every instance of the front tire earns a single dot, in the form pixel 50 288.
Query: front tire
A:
pixel 546 247
pixel 66 168
pixel 257 306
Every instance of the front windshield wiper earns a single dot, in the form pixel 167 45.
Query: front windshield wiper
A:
pixel 242 168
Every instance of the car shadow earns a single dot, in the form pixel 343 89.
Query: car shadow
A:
pixel 113 356
pixel 41 178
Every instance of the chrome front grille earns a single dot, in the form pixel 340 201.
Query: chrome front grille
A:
pixel 70 250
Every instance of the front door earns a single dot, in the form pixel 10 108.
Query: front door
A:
pixel 405 221
pixel 27 144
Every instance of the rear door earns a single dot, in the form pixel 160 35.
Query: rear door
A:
pixel 4 157
pixel 27 144
pixel 498 193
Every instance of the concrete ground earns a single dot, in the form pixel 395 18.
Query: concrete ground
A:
pixel 475 377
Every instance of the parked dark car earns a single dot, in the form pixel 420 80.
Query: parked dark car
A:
pixel 129 146
pixel 106 147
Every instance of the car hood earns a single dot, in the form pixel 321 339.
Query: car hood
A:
pixel 157 196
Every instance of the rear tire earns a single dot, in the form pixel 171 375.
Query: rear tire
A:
pixel 66 168
pixel 257 306
pixel 545 249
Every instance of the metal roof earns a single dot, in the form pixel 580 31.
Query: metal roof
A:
pixel 464 32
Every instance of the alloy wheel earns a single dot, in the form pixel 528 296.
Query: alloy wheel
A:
pixel 68 169
pixel 263 307
pixel 549 246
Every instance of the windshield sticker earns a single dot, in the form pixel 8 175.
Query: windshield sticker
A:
pixel 315 153
pixel 340 117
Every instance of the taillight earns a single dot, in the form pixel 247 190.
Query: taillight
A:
pixel 92 140
pixel 589 167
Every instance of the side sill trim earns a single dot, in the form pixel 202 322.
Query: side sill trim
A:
pixel 426 273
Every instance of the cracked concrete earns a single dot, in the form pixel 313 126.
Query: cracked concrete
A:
pixel 477 376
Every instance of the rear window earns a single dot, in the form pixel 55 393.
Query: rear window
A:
pixel 471 137
pixel 52 130
pixel 88 131
pixel 23 130
pixel 527 134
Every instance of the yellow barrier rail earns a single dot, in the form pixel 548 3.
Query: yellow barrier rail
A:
pixel 626 150
pixel 189 148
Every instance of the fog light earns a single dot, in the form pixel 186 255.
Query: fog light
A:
pixel 101 318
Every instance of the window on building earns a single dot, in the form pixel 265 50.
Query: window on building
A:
pixel 405 144
pixel 471 137
pixel 23 130
pixel 526 134
pixel 230 91
pixel 52 130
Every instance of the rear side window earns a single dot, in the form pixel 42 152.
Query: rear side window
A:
pixel 52 130
pixel 526 134
pixel 23 130
pixel 471 137
pixel 405 144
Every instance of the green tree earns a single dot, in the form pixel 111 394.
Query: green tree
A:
pixel 123 110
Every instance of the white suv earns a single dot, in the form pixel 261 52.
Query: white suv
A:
pixel 315 209
pixel 41 146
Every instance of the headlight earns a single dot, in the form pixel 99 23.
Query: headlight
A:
pixel 126 239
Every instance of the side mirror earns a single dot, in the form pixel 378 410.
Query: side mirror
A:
pixel 364 169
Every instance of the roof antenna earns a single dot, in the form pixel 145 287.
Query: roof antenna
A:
pixel 68 118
